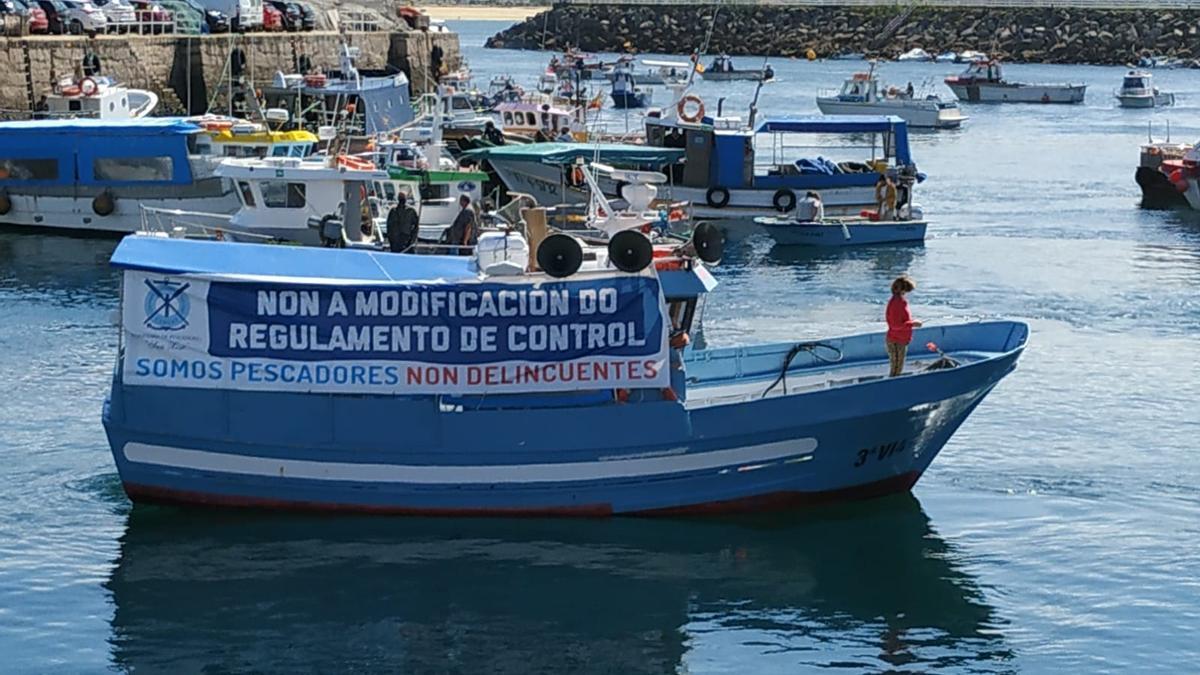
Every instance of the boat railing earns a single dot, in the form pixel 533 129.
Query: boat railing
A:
pixel 181 222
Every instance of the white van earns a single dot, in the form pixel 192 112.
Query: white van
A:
pixel 243 15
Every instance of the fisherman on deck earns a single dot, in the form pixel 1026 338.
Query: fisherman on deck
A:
pixel 492 134
pixel 810 209
pixel 402 225
pixel 885 197
pixel 464 231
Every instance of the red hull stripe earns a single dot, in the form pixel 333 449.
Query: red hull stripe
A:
pixel 776 501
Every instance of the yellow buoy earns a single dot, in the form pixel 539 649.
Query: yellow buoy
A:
pixel 811 54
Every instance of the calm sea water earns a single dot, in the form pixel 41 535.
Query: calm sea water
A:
pixel 1058 531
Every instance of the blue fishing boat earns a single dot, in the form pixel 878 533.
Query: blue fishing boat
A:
pixel 735 170
pixel 303 378
pixel 843 232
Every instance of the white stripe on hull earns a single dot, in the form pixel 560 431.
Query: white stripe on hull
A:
pixel 75 213
pixel 638 467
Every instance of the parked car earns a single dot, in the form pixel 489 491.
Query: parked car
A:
pixel 120 15
pixel 152 17
pixel 56 15
pixel 308 17
pixel 84 17
pixel 38 21
pixel 243 15
pixel 272 18
pixel 291 14
pixel 211 20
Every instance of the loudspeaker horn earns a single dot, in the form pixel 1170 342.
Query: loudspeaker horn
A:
pixel 630 251
pixel 560 255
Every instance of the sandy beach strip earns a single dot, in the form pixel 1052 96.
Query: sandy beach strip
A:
pixel 479 13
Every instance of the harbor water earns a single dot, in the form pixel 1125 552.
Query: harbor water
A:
pixel 1059 530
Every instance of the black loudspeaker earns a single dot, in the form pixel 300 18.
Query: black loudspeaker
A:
pixel 709 242
pixel 560 255
pixel 630 251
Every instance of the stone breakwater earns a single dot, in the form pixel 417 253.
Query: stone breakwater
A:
pixel 183 69
pixel 1031 34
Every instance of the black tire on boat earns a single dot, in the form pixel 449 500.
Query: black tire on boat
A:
pixel 104 204
pixel 717 197
pixel 5 203
pixel 784 200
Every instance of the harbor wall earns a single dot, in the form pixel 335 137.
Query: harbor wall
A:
pixel 1029 34
pixel 195 68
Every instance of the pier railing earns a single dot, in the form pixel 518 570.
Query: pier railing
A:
pixel 1076 4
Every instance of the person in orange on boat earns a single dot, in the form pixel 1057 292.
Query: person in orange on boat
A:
pixel 900 324
pixel 885 197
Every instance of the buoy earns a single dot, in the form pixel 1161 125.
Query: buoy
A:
pixel 811 54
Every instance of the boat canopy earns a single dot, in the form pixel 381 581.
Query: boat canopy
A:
pixel 292 263
pixel 565 153
pixel 843 124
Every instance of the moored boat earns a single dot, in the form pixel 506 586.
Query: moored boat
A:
pixel 916 54
pixel 625 94
pixel 839 232
pixel 983 82
pixel 723 70
pixel 1160 174
pixel 346 380
pixel 1138 91
pixel 863 94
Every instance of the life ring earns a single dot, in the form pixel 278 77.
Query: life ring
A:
pixel 104 204
pixel 70 90
pixel 5 203
pixel 717 197
pixel 784 200
pixel 88 87
pixel 682 106
pixel 315 80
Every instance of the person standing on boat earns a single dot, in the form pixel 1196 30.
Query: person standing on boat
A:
pixel 492 134
pixel 900 324
pixel 885 197
pixel 810 209
pixel 403 221
pixel 465 229
pixel 909 90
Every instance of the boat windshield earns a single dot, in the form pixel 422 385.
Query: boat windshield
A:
pixel 1134 83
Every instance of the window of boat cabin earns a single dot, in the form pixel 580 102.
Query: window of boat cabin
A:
pixel 277 194
pixel 246 193
pixel 531 119
pixel 508 120
pixel 434 191
pixel 28 169
pixel 133 169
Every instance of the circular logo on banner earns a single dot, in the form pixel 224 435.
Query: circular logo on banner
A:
pixel 166 305
pixel 466 186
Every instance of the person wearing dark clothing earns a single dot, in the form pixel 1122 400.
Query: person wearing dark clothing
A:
pixel 402 225
pixel 435 60
pixel 492 134
pixel 465 229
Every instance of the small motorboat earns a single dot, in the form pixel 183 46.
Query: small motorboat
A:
pixel 99 97
pixel 722 70
pixel 626 94
pixel 970 56
pixel 842 231
pixel 983 82
pixel 917 54
pixel 863 94
pixel 1160 173
pixel 947 57
pixel 848 56
pixel 1137 91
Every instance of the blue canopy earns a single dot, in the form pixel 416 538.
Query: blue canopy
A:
pixel 145 126
pixel 186 256
pixel 844 124
pixel 830 124
pixel 566 153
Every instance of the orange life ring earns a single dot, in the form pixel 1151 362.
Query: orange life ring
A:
pixel 72 90
pixel 217 125
pixel 682 106
pixel 88 87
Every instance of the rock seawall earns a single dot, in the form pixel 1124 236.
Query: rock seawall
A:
pixel 1032 34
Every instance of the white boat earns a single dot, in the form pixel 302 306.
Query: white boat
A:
pixel 99 97
pixel 983 82
pixel 947 57
pixel 542 115
pixel 970 56
pixel 862 94
pixel 1137 91
pixel 917 54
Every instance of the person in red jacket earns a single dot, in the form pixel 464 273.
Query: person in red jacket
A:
pixel 900 324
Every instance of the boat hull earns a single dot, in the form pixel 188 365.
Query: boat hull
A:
pixel 1157 190
pixel 789 233
pixel 918 114
pixel 734 76
pixel 630 100
pixel 1145 101
pixel 747 204
pixel 347 453
pixel 1018 93
pixel 71 210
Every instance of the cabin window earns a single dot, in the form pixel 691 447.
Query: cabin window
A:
pixel 434 191
pixel 508 119
pixel 280 151
pixel 389 191
pixel 246 192
pixel 277 194
pixel 74 106
pixel 133 169
pixel 299 150
pixel 531 119
pixel 462 104
pixel 28 169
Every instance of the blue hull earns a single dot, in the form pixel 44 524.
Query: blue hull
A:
pixel 728 449
pixel 852 234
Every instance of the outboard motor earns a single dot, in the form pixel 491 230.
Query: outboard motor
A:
pixel 330 230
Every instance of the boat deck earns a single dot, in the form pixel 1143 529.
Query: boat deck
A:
pixel 803 380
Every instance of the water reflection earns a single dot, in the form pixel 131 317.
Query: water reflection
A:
pixel 231 592
pixel 66 270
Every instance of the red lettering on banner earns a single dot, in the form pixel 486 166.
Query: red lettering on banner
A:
pixel 474 375
pixel 651 369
